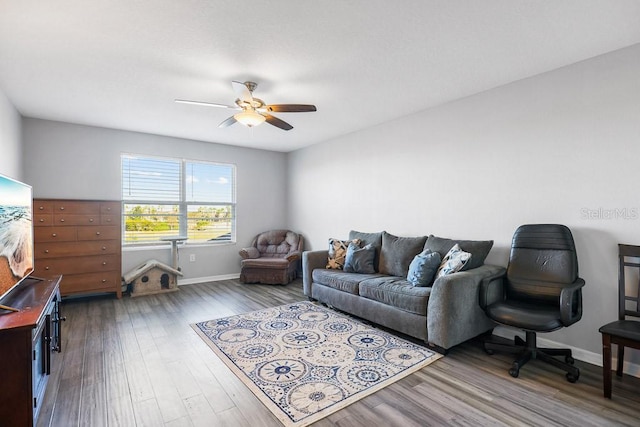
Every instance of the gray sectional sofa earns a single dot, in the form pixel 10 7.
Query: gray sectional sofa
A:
pixel 443 314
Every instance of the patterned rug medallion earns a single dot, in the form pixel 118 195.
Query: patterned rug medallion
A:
pixel 304 361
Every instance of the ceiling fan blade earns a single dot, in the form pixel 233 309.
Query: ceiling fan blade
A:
pixel 206 104
pixel 228 122
pixel 291 108
pixel 241 91
pixel 277 122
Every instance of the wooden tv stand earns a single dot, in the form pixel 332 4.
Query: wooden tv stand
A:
pixel 29 338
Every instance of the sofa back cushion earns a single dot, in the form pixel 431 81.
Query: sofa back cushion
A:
pixel 479 249
pixel 277 243
pixel 398 252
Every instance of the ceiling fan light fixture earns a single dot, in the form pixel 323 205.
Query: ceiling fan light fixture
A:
pixel 249 118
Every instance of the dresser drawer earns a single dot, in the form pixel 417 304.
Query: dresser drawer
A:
pixel 111 208
pixel 110 219
pixel 101 232
pixel 74 265
pixel 42 206
pixel 69 219
pixel 54 234
pixel 90 282
pixel 66 249
pixel 76 207
pixel 42 219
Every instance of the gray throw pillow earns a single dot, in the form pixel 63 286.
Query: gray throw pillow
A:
pixel 398 252
pixel 423 268
pixel 374 239
pixel 479 249
pixel 360 260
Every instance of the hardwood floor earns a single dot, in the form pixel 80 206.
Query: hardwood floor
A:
pixel 137 362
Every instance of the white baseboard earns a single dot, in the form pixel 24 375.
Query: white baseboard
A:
pixel 578 353
pixel 208 279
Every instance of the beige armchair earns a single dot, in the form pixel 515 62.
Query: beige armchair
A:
pixel 272 258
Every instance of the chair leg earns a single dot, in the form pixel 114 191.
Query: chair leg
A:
pixel 606 365
pixel 620 360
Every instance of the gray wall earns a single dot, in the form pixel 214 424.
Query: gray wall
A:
pixel 562 147
pixel 83 162
pixel 10 140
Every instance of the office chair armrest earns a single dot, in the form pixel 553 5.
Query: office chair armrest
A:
pixel 492 289
pixel 569 297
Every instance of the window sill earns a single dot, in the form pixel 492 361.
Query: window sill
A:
pixel 155 247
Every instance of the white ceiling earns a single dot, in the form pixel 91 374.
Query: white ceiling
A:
pixel 121 63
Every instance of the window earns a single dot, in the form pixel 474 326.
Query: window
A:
pixel 165 197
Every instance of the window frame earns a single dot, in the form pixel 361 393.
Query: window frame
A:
pixel 183 204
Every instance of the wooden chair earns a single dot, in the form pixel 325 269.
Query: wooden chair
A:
pixel 623 332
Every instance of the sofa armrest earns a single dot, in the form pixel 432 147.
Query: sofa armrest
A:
pixel 310 261
pixel 293 255
pixel 454 314
pixel 249 253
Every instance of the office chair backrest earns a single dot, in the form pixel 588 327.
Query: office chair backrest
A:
pixel 629 281
pixel 543 260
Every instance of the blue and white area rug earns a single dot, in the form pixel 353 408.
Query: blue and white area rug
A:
pixel 304 361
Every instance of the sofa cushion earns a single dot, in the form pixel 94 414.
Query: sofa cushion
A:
pixel 276 263
pixel 338 279
pixel 423 268
pixel 360 260
pixel 479 249
pixel 396 292
pixel 338 252
pixel 398 252
pixel 453 261
pixel 374 239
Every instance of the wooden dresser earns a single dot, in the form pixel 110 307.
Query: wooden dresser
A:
pixel 81 240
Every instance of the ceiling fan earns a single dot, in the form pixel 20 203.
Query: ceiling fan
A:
pixel 254 111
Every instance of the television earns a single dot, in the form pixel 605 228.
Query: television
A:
pixel 16 234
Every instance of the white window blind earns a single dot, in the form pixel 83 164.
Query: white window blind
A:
pixel 165 197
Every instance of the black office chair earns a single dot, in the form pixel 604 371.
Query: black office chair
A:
pixel 624 332
pixel 541 292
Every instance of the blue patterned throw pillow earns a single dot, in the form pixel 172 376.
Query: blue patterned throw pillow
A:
pixel 423 268
pixel 453 261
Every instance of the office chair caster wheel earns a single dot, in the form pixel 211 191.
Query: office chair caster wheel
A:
pixel 570 360
pixel 488 351
pixel 514 371
pixel 572 378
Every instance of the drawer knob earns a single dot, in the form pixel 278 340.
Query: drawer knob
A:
pixel 41 220
pixel 109 209
pixel 104 280
pixel 46 251
pixel 108 219
pixel 54 235
pixel 90 219
pixel 41 208
pixel 61 219
pixel 46 268
pixel 61 208
pixel 104 248
pixel 104 262
pixel 97 233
